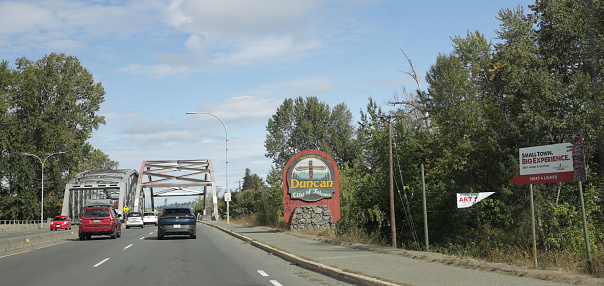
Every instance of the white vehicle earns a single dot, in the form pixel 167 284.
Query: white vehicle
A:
pixel 150 218
pixel 134 219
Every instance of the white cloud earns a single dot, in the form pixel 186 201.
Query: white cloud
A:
pixel 49 24
pixel 19 18
pixel 243 108
pixel 162 69
pixel 213 34
pixel 295 87
pixel 227 33
pixel 249 19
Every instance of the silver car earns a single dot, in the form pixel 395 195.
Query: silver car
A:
pixel 134 219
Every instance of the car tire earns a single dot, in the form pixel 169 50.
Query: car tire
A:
pixel 127 227
pixel 119 232
pixel 82 237
pixel 160 237
pixel 193 236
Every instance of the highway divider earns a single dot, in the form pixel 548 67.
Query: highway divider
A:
pixel 34 240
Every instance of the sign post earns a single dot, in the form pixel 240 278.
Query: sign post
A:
pixel 227 199
pixel 556 163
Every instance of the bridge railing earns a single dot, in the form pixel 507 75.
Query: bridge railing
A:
pixel 22 224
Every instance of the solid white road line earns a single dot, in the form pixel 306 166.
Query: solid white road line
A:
pixel 262 273
pixel 104 260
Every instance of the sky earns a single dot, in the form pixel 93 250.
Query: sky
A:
pixel 236 59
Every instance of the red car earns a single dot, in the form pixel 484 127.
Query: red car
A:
pixel 60 222
pixel 100 220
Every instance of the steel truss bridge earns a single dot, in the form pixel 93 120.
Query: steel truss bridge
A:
pixel 116 185
pixel 126 187
pixel 176 178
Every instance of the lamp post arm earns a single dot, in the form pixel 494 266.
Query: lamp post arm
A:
pixel 42 162
pixel 226 152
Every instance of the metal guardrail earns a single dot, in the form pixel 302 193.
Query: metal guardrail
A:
pixel 14 224
pixel 19 221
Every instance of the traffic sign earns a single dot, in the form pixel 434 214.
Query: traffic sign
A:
pixel 542 178
pixel 126 209
pixel 227 197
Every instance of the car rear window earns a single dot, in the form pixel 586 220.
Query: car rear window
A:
pixel 177 211
pixel 134 214
pixel 149 214
pixel 104 212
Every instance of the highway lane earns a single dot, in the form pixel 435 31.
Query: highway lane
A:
pixel 138 258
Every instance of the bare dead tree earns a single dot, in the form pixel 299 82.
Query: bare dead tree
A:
pixel 412 101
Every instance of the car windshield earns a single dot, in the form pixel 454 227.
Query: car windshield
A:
pixel 60 218
pixel 134 214
pixel 176 211
pixel 104 212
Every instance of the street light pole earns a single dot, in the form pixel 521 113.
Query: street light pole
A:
pixel 226 154
pixel 42 162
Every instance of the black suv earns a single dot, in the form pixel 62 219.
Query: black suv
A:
pixel 176 220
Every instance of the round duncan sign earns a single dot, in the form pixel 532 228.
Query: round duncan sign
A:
pixel 311 177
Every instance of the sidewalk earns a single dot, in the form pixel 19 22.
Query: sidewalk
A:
pixel 364 267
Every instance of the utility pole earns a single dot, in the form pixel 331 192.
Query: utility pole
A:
pixel 391 175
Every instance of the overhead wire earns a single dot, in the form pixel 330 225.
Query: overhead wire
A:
pixel 405 203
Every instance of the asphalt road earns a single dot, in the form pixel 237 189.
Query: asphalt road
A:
pixel 138 258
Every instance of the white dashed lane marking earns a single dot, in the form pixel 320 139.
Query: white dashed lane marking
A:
pixel 262 273
pixel 103 261
pixel 274 282
pixel 127 247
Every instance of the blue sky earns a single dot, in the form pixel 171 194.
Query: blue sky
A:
pixel 238 59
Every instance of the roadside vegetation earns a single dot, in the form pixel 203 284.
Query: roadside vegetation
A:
pixel 538 83
pixel 46 106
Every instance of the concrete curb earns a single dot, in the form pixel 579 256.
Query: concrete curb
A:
pixel 10 244
pixel 333 272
